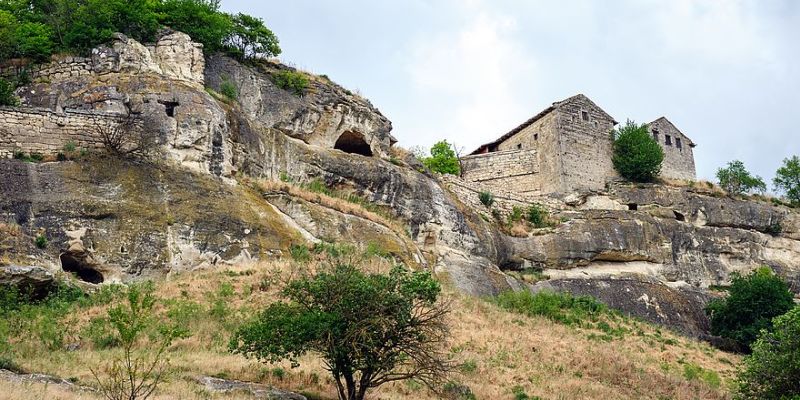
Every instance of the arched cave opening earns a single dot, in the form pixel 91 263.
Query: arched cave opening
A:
pixel 77 265
pixel 679 216
pixel 354 143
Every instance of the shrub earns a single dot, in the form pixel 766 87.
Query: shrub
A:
pixel 41 241
pixel 369 328
pixel 736 180
pixel 7 96
pixel 772 370
pixel 229 90
pixel 486 198
pixel 291 81
pixel 251 39
pixel 537 216
pixel 787 179
pixel 443 159
pixel 637 156
pixel 752 302
pixel 300 253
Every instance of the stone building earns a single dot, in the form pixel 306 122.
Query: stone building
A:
pixel 566 147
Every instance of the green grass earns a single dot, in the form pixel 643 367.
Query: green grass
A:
pixel 559 307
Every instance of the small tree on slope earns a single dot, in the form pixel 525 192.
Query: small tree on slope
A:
pixel 370 329
pixel 737 180
pixel 637 156
pixel 787 179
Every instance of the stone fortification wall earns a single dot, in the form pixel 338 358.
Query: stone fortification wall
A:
pixel 542 136
pixel 173 56
pixel 505 170
pixel 36 130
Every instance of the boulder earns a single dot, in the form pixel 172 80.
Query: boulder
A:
pixel 37 281
pixel 256 390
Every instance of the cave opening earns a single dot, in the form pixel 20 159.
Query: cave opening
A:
pixel 78 266
pixel 633 206
pixel 679 216
pixel 169 107
pixel 353 143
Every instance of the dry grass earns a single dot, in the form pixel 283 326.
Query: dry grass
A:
pixel 499 350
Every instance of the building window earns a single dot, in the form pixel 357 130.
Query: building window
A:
pixel 678 143
pixel 655 135
pixel 519 145
pixel 535 136
pixel 668 140
pixel 585 115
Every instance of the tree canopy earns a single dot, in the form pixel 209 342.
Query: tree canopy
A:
pixel 772 371
pixel 35 29
pixel 737 180
pixel 637 156
pixel 787 179
pixel 368 328
pixel 443 159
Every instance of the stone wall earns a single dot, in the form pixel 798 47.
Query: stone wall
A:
pixel 585 146
pixel 64 68
pixel 36 130
pixel 678 153
pixel 517 170
pixel 542 136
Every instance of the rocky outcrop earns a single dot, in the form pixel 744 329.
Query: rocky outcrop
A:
pixel 36 281
pixel 255 390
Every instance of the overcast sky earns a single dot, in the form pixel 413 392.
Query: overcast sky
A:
pixel 725 72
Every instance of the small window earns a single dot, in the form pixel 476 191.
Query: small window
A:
pixel 519 146
pixel 655 135
pixel 668 140
pixel 585 115
pixel 678 143
pixel 535 136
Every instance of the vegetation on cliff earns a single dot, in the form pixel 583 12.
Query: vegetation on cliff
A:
pixel 35 29
pixel 637 156
pixel 737 180
pixel 443 159
pixel 787 179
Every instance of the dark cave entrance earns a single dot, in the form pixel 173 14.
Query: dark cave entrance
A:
pixel 169 107
pixel 633 206
pixel 354 143
pixel 77 265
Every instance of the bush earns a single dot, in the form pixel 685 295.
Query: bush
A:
pixel 443 159
pixel 559 307
pixel 772 371
pixel 291 81
pixel 41 241
pixel 7 96
pixel 229 90
pixel 486 198
pixel 537 216
pixel 637 156
pixel 369 328
pixel 515 215
pixel 787 179
pixel 753 301
pixel 736 180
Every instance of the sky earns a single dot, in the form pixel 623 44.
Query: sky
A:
pixel 725 72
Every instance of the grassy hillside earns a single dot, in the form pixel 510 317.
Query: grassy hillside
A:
pixel 503 354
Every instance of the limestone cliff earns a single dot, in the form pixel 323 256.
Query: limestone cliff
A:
pixel 653 251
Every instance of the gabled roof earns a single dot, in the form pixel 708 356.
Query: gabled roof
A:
pixel 664 119
pixel 537 117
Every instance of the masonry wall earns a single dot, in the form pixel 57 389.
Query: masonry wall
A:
pixel 585 146
pixel 66 68
pixel 33 130
pixel 503 170
pixel 678 161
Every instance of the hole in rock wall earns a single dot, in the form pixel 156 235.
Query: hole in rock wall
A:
pixel 354 143
pixel 679 216
pixel 169 107
pixel 633 206
pixel 77 265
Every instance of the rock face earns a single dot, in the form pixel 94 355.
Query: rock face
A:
pixel 256 390
pixel 37 281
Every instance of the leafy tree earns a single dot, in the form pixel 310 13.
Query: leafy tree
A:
pixel 33 41
pixel 787 179
pixel 144 340
pixel 200 19
pixel 95 21
pixel 369 329
pixel 8 34
pixel 736 180
pixel 637 156
pixel 250 38
pixel 443 159
pixel 752 302
pixel 772 371
pixel 7 96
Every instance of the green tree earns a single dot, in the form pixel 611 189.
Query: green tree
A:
pixel 369 329
pixel 637 156
pixel 772 371
pixel 95 21
pixel 787 179
pixel 250 38
pixel 736 180
pixel 200 19
pixel 34 41
pixel 443 159
pixel 8 34
pixel 752 302
pixel 144 340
